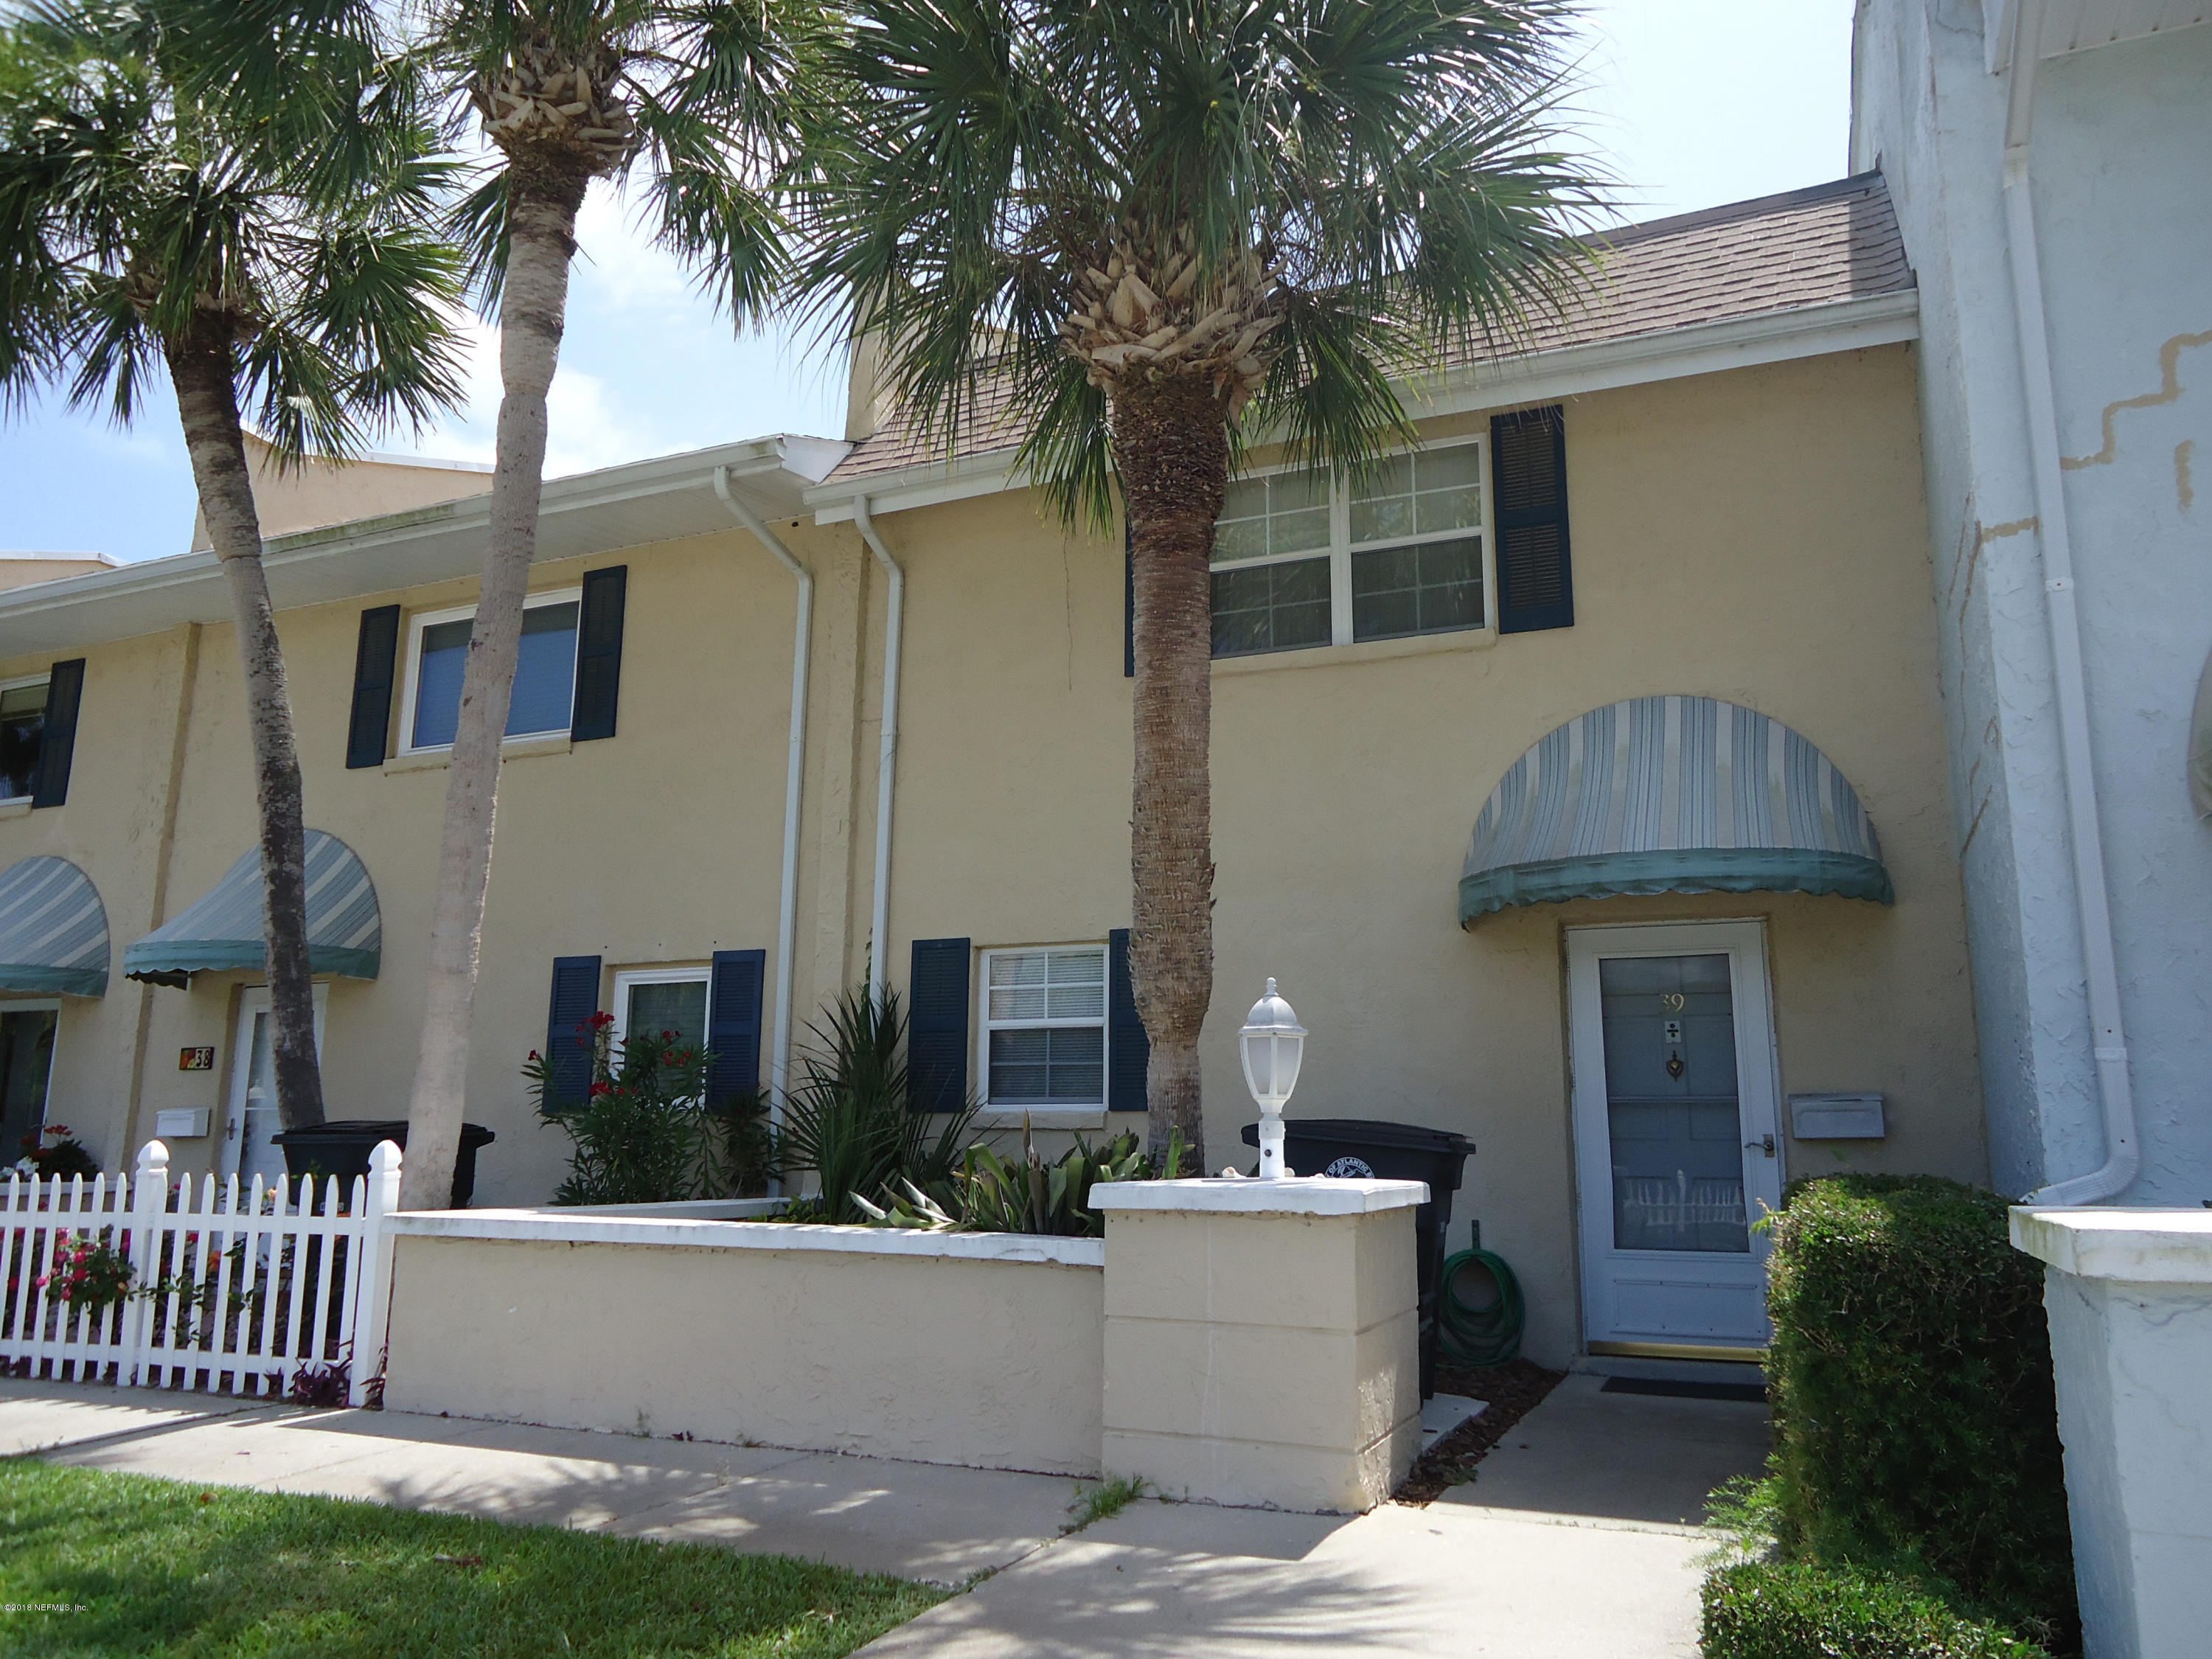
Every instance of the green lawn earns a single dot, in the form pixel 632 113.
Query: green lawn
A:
pixel 208 1573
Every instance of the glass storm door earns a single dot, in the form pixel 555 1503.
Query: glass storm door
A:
pixel 1675 1134
pixel 248 1149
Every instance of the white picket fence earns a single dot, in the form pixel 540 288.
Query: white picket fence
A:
pixel 232 1290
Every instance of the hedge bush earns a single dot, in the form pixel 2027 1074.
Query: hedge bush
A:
pixel 1915 1429
pixel 1790 1610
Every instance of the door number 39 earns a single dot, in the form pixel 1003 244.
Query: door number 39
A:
pixel 1674 1002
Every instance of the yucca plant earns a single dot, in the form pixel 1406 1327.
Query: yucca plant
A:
pixel 850 1121
pixel 1165 230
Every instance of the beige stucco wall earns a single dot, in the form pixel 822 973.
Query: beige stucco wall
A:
pixel 996 1364
pixel 316 493
pixel 25 569
pixel 1757 535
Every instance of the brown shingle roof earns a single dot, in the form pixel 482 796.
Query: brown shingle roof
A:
pixel 1817 247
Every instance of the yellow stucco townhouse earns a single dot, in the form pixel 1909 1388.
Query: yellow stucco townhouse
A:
pixel 1583 783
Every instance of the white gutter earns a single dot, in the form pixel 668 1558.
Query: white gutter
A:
pixel 887 755
pixel 787 918
pixel 2099 965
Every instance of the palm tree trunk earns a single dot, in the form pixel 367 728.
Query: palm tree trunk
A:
pixel 1171 449
pixel 202 367
pixel 542 225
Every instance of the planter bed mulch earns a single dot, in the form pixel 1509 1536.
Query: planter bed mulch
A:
pixel 1513 1390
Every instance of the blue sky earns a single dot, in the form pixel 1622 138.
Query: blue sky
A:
pixel 1691 102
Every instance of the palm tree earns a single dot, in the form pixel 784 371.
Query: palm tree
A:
pixel 693 97
pixel 145 226
pixel 1141 217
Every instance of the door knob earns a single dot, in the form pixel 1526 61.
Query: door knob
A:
pixel 1765 1143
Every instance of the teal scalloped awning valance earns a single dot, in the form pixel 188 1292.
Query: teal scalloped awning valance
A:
pixel 1670 795
pixel 224 928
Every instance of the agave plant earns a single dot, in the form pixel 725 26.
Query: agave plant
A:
pixel 989 1193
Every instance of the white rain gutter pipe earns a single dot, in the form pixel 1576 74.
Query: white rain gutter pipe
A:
pixel 2099 965
pixel 787 918
pixel 887 755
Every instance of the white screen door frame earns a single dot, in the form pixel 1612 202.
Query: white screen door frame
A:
pixel 1694 1304
pixel 242 1096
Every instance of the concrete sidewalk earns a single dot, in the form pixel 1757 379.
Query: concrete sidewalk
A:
pixel 1570 1543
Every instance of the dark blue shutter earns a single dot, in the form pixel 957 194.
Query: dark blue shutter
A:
pixel 57 737
pixel 576 999
pixel 1128 1050
pixel 1129 602
pixel 936 1025
pixel 733 1024
pixel 1528 480
pixel 374 660
pixel 598 652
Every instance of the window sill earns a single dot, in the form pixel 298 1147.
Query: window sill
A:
pixel 1042 1117
pixel 17 808
pixel 1332 656
pixel 432 760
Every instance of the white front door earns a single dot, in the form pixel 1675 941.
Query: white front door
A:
pixel 1675 1133
pixel 250 1121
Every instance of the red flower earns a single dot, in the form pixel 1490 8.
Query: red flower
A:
pixel 599 1089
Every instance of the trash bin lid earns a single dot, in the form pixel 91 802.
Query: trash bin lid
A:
pixel 1374 1131
pixel 371 1128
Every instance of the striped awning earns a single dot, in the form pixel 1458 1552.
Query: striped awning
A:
pixel 345 935
pixel 54 930
pixel 1670 795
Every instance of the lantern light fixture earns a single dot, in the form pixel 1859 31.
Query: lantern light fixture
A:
pixel 1272 1044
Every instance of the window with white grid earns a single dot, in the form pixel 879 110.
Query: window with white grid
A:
pixel 1301 562
pixel 1043 1029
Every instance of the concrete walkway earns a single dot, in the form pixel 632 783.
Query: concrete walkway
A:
pixel 1571 1542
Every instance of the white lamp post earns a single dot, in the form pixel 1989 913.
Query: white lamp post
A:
pixel 1272 1042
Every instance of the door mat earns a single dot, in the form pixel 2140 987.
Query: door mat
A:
pixel 1754 1392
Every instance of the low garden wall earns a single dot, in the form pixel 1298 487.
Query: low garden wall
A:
pixel 1242 1342
pixel 984 1349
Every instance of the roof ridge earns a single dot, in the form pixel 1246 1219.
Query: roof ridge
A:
pixel 1857 184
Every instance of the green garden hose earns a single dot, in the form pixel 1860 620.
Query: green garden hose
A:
pixel 1478 1309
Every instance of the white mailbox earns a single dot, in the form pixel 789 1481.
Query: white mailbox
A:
pixel 1837 1117
pixel 184 1123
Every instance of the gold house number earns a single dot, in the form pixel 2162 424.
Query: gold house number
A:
pixel 1674 1002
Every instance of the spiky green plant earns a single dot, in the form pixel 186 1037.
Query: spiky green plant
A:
pixel 850 1121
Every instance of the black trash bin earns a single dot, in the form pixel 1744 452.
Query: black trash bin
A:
pixel 1373 1148
pixel 341 1147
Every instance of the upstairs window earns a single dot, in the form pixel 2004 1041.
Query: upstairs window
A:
pixel 543 704
pixel 1301 562
pixel 1044 1026
pixel 22 736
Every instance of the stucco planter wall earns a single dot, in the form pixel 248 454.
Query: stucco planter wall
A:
pixel 2129 1297
pixel 983 1350
pixel 1254 1340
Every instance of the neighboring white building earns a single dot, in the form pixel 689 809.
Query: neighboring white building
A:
pixel 2057 155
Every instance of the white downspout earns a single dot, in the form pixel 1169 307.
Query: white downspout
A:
pixel 2101 968
pixel 787 920
pixel 887 756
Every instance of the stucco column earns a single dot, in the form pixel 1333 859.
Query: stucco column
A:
pixel 1260 1339
pixel 2130 1296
